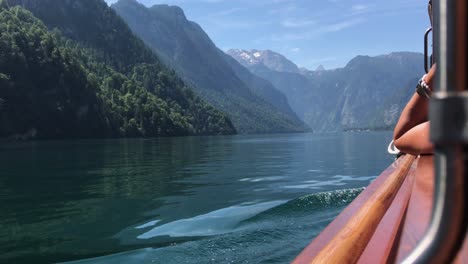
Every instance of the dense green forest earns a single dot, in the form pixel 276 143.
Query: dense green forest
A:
pixel 89 77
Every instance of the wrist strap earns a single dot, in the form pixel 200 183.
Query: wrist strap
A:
pixel 423 89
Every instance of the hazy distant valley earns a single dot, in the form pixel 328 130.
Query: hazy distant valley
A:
pixel 367 94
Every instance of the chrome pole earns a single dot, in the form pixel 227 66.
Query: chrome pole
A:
pixel 449 132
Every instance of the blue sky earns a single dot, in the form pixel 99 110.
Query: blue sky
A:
pixel 311 32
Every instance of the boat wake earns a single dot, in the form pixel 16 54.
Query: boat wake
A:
pixel 267 232
pixel 213 223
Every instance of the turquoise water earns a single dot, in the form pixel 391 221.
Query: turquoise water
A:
pixel 233 199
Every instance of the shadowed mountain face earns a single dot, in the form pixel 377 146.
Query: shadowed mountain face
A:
pixel 253 104
pixel 368 93
pixel 75 69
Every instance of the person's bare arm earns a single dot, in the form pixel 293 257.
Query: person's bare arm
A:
pixel 411 134
pixel 415 112
pixel 416 140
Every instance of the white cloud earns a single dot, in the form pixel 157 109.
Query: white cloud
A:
pixel 291 36
pixel 295 49
pixel 228 11
pixel 297 23
pixel 282 10
pixel 342 25
pixel 359 7
pixel 232 24
pixel 317 30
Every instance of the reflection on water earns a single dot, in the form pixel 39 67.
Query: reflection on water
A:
pixel 66 200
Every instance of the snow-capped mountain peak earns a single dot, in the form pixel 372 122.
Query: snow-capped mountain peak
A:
pixel 267 58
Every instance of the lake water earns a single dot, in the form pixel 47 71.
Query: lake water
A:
pixel 230 199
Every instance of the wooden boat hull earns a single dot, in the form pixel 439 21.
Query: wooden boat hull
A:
pixel 396 233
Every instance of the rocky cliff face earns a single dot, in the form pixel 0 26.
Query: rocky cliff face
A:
pixel 368 93
pixel 253 104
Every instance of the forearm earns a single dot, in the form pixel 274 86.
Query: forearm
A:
pixel 416 140
pixel 414 113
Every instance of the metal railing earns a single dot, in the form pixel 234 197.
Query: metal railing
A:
pixel 449 132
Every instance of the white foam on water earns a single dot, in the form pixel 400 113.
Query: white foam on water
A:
pixel 260 179
pixel 353 178
pixel 213 223
pixel 150 223
pixel 300 186
pixel 337 180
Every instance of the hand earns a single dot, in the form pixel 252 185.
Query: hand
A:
pixel 429 77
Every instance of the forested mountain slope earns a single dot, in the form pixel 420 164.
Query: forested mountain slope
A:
pixel 84 74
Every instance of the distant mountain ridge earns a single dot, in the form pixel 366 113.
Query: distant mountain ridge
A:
pixel 320 68
pixel 254 105
pixel 368 93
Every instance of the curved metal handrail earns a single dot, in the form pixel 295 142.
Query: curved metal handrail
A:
pixel 426 50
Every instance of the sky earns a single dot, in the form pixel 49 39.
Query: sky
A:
pixel 310 32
